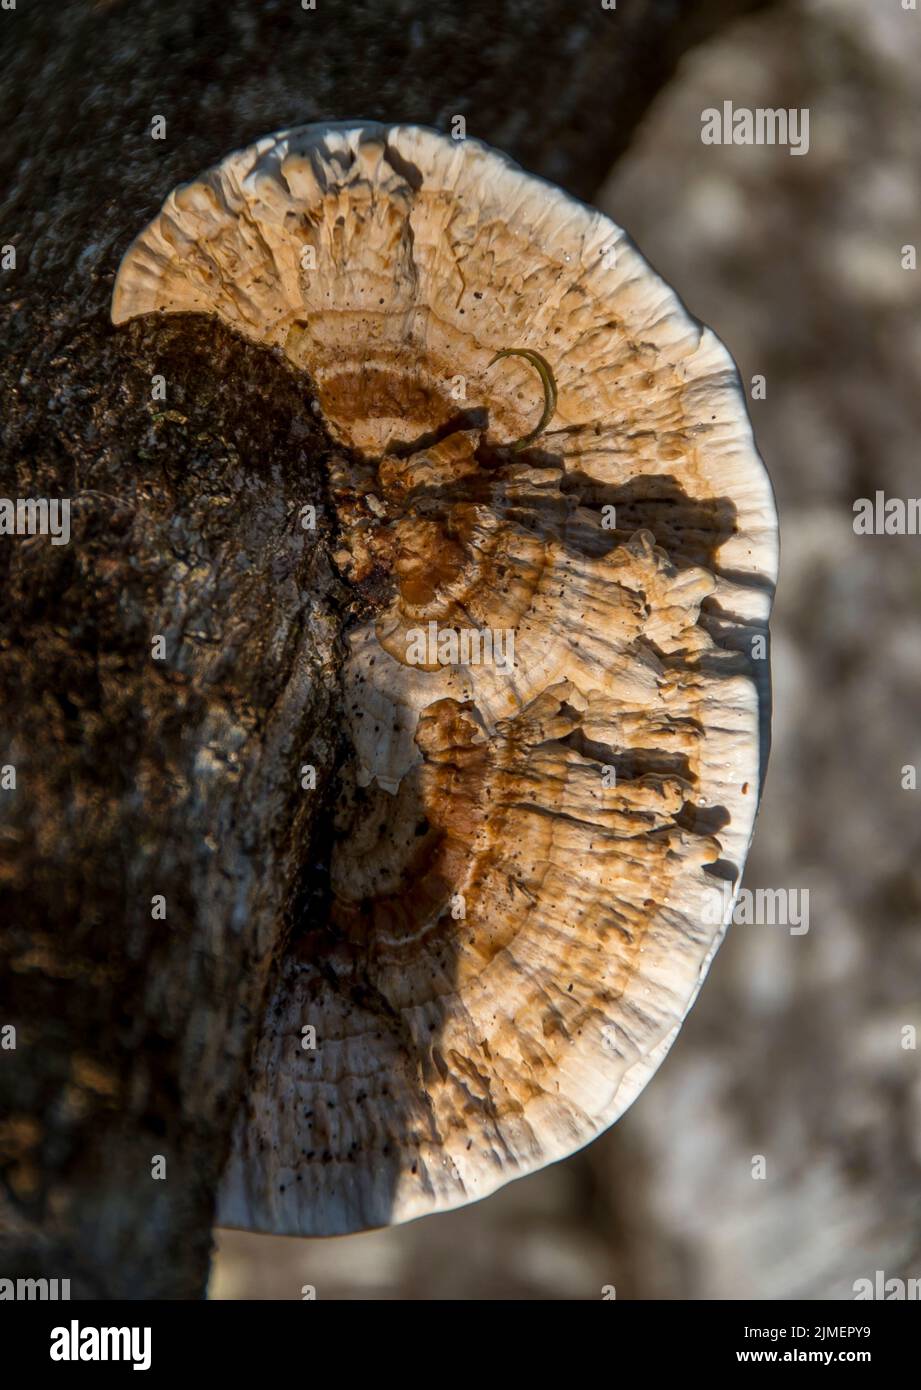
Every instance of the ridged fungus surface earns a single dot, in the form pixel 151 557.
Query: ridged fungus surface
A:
pixel 555 700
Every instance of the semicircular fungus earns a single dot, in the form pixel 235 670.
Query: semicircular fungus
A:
pixel 556 700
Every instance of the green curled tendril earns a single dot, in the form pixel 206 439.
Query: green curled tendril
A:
pixel 549 382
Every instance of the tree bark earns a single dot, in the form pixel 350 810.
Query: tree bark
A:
pixel 140 776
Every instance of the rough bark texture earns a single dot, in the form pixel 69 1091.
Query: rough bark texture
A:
pixel 179 777
pixel 139 777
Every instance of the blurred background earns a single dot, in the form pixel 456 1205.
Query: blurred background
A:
pixel 796 1048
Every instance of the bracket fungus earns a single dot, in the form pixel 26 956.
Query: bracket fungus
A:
pixel 555 687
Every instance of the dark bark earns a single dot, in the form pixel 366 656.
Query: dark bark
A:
pixel 138 777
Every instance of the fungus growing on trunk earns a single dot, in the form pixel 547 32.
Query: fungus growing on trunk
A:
pixel 555 693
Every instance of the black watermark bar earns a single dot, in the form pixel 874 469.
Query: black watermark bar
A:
pixel 272 1340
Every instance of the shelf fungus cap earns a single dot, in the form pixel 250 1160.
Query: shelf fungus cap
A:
pixel 563 546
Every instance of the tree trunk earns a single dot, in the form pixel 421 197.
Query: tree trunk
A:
pixel 145 770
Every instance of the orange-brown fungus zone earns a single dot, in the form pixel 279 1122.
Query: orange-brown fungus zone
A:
pixel 533 799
